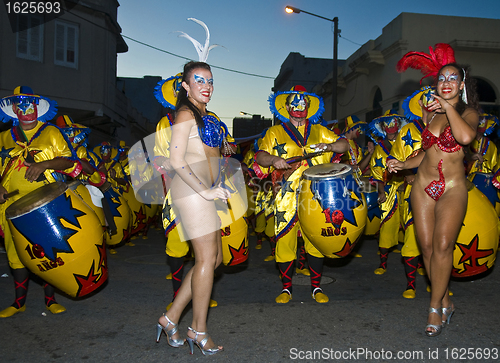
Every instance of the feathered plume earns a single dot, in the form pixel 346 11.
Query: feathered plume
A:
pixel 202 50
pixel 428 64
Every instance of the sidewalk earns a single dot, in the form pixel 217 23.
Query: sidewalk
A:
pixel 366 318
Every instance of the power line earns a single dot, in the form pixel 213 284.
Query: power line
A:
pixel 167 52
pixel 179 56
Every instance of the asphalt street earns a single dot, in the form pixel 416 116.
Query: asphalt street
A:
pixel 367 319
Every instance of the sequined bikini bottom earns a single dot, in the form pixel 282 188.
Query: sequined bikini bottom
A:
pixel 436 188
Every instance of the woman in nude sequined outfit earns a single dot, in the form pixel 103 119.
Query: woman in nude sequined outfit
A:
pixel 439 194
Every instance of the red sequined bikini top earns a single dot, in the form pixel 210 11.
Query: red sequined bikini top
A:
pixel 446 142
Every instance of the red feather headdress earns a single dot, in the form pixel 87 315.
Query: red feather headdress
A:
pixel 428 64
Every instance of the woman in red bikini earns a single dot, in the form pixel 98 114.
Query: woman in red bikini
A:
pixel 439 194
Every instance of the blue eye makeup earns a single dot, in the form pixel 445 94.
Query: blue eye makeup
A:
pixel 199 80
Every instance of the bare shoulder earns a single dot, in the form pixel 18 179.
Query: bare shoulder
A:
pixel 471 116
pixel 184 114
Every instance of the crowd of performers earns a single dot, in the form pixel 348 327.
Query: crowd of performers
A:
pixel 36 152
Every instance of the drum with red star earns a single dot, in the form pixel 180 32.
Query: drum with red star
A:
pixel 234 229
pixel 121 214
pixel 59 238
pixel 477 243
pixel 138 217
pixel 331 208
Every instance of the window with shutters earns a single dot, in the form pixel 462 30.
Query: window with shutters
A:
pixel 66 44
pixel 29 37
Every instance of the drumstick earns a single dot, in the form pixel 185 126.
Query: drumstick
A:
pixel 11 194
pixel 304 157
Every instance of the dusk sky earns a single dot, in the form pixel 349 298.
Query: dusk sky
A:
pixel 257 36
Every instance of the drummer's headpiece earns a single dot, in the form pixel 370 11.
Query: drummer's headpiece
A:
pixel 296 103
pixel 354 123
pixel 24 106
pixel 390 123
pixel 76 133
pixel 411 107
pixel 487 122
pixel 167 89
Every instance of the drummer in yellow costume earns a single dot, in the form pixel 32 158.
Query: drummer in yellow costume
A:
pixel 34 153
pixel 354 128
pixel 77 134
pixel 383 131
pixel 298 136
pixel 483 153
pixel 111 166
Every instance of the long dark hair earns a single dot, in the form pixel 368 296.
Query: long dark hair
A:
pixel 182 97
pixel 470 87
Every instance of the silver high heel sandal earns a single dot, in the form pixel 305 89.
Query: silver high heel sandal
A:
pixel 437 328
pixel 192 342
pixel 176 343
pixel 448 312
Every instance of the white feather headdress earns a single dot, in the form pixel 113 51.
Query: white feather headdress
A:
pixel 202 50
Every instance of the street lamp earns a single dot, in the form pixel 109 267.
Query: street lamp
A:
pixel 290 9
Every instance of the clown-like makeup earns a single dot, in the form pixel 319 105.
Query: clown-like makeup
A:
pixel 26 111
pixel 298 103
pixel 200 80
pixel 448 77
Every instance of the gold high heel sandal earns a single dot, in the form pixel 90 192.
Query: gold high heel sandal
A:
pixel 194 341
pixel 176 343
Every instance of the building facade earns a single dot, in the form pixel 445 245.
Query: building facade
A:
pixel 71 58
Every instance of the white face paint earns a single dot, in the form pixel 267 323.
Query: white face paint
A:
pixel 448 77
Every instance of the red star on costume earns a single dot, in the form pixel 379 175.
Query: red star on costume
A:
pixel 470 258
pixel 20 165
pixel 238 255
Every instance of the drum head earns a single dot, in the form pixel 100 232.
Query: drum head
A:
pixel 327 171
pixel 36 199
